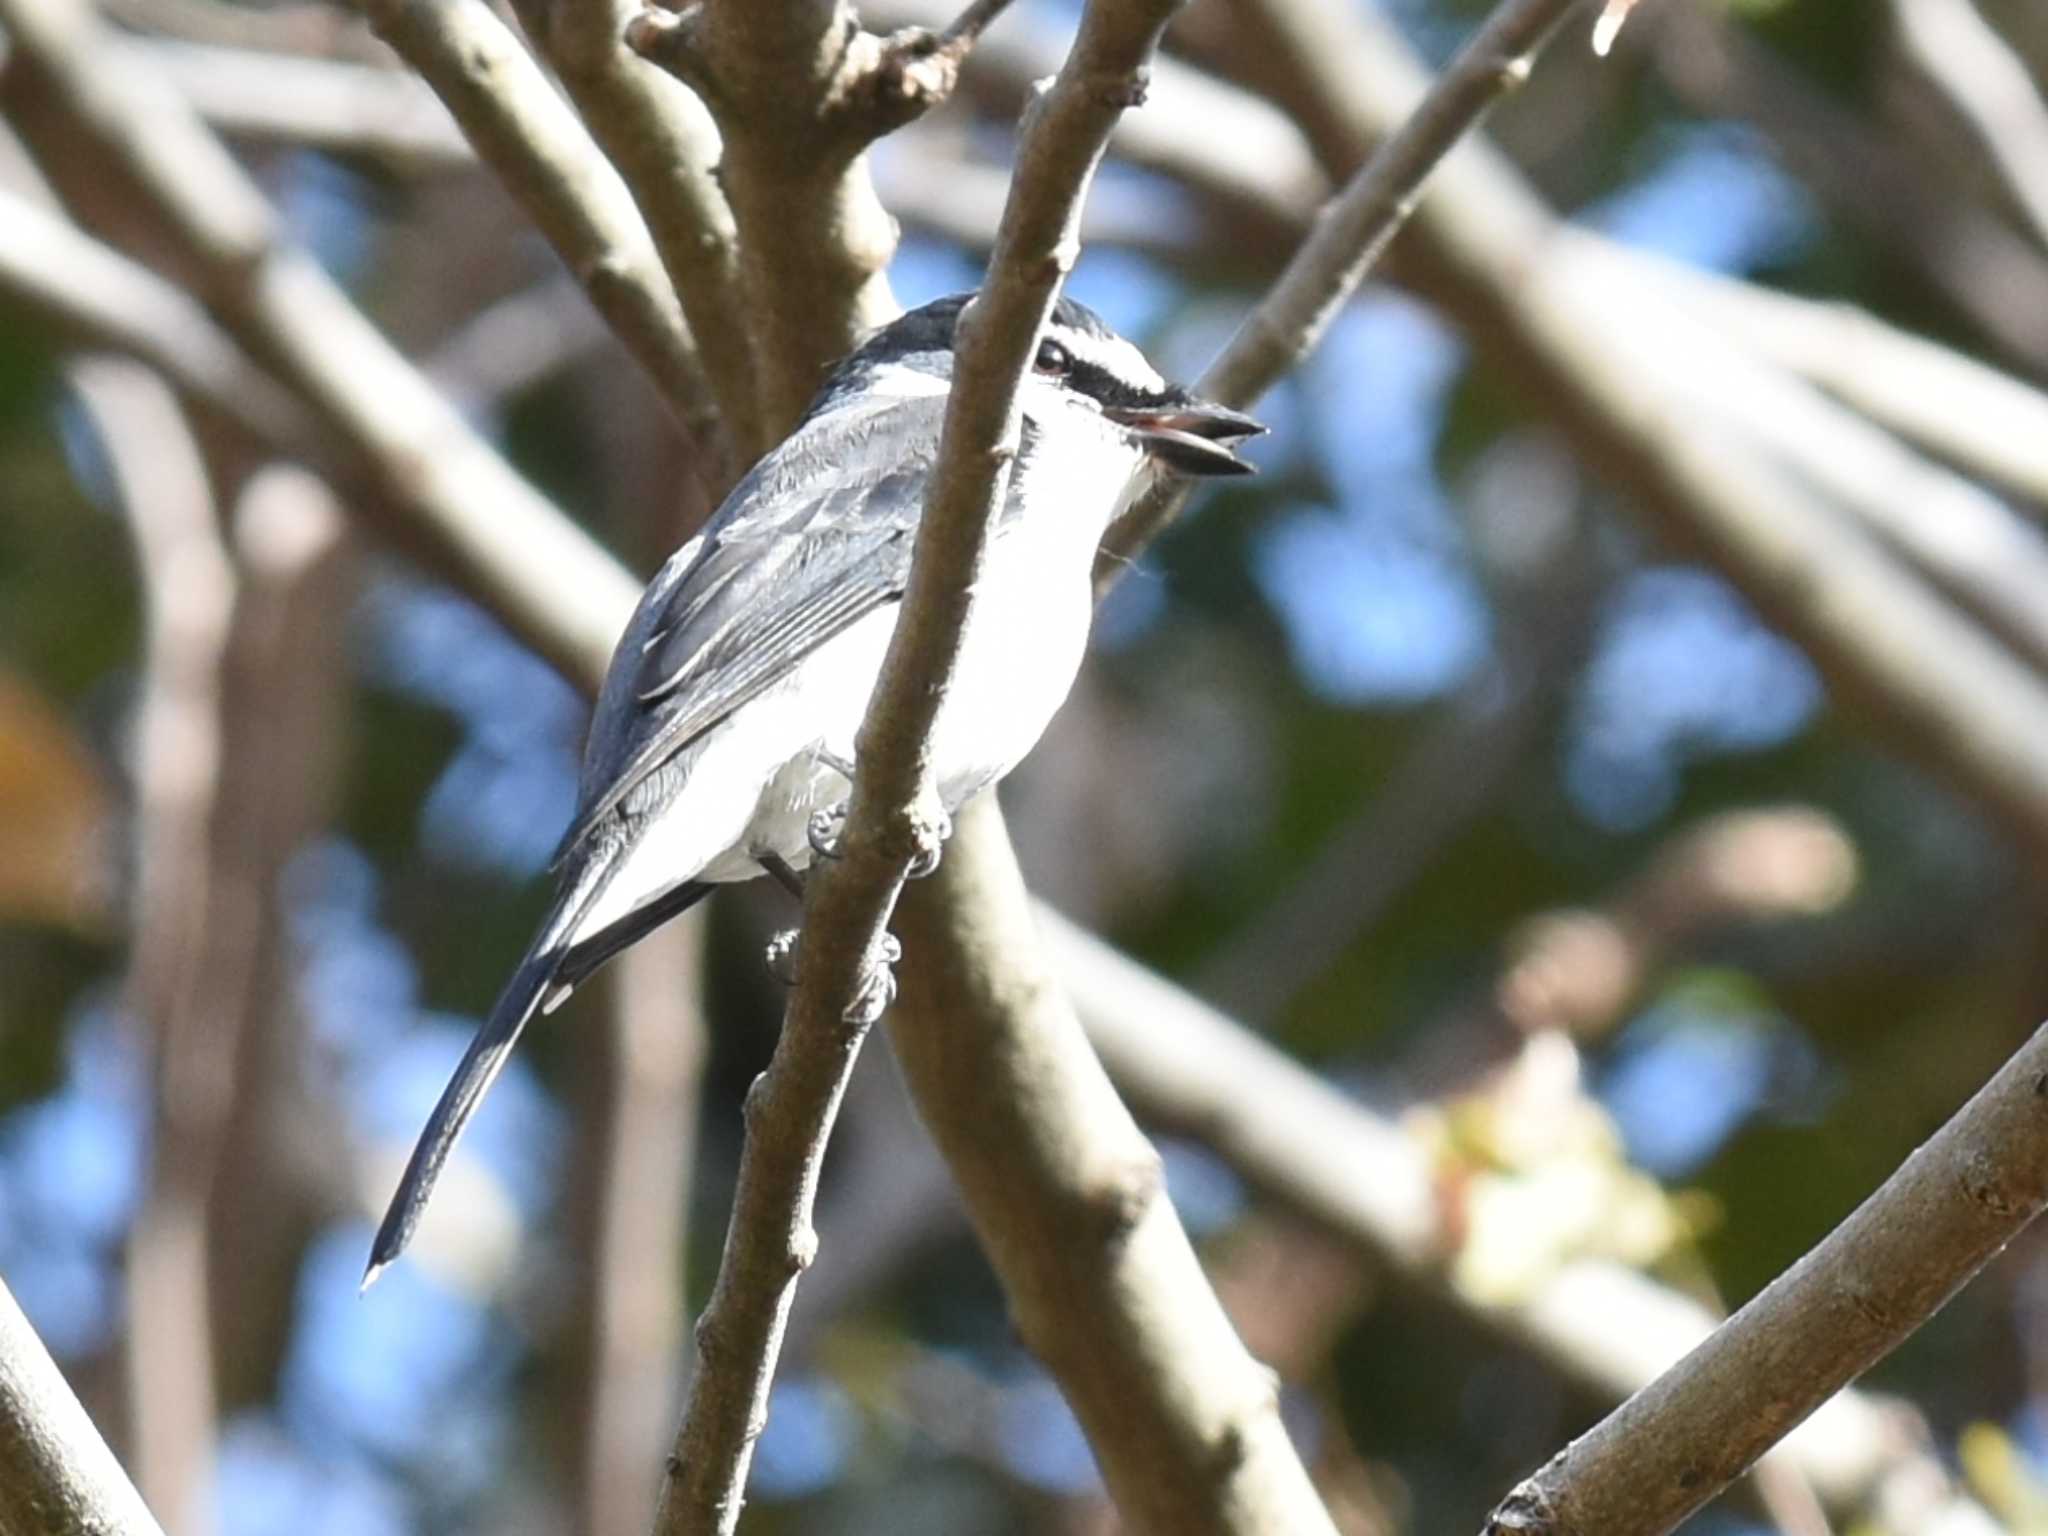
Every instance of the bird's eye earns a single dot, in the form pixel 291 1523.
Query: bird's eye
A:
pixel 1053 358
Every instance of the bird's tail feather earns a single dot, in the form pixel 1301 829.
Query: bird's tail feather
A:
pixel 549 966
pixel 581 960
pixel 479 1068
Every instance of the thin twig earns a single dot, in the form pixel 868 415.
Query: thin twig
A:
pixel 1985 422
pixel 1987 85
pixel 663 142
pixel 1351 233
pixel 1848 1303
pixel 96 296
pixel 178 953
pixel 527 134
pixel 1949 692
pixel 894 817
pixel 965 31
pixel 1986 271
pixel 57 1476
pixel 357 109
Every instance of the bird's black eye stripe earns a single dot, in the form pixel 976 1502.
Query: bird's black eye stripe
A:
pixel 1052 357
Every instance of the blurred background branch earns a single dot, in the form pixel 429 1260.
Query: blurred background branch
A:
pixel 1631 958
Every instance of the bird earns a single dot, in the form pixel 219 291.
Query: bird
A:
pixel 727 717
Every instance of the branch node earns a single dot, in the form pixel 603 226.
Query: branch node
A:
pixel 668 39
pixel 1982 1182
pixel 1123 1197
pixel 1526 1511
pixel 1122 92
pixel 755 1105
pixel 803 1249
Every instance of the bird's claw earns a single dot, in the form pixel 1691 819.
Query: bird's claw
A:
pixel 872 995
pixel 781 956
pixel 927 859
pixel 824 830
pixel 877 987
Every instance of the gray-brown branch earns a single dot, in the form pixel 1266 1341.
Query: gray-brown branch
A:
pixel 531 139
pixel 894 818
pixel 1848 1303
pixel 57 1477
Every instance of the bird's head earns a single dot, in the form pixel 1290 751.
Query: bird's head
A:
pixel 1081 361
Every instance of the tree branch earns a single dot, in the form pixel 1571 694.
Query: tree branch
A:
pixel 1987 85
pixel 184 938
pixel 359 109
pixel 1949 693
pixel 1316 1149
pixel 1959 409
pixel 1966 540
pixel 1986 271
pixel 99 297
pixel 894 819
pixel 1876 1278
pixel 1350 234
pixel 471 511
pixel 637 1149
pixel 528 136
pixel 1067 1197
pixel 815 242
pixel 665 146
pixel 57 1476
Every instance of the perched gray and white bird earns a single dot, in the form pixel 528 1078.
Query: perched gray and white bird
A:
pixel 729 712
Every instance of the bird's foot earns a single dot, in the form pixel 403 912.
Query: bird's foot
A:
pixel 926 861
pixel 872 994
pixel 876 989
pixel 825 828
pixel 779 868
pixel 781 956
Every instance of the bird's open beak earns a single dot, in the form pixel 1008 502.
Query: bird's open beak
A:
pixel 1196 437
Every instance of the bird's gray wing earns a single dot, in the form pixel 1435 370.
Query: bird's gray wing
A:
pixel 817 537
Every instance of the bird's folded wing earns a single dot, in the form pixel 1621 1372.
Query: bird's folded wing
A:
pixel 815 539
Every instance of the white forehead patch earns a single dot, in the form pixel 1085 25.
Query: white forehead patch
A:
pixel 1112 354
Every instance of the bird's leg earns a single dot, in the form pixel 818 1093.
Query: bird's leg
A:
pixel 785 874
pixel 927 860
pixel 828 823
pixel 877 987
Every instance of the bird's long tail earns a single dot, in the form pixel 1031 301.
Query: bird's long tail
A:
pixel 544 977
pixel 480 1067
